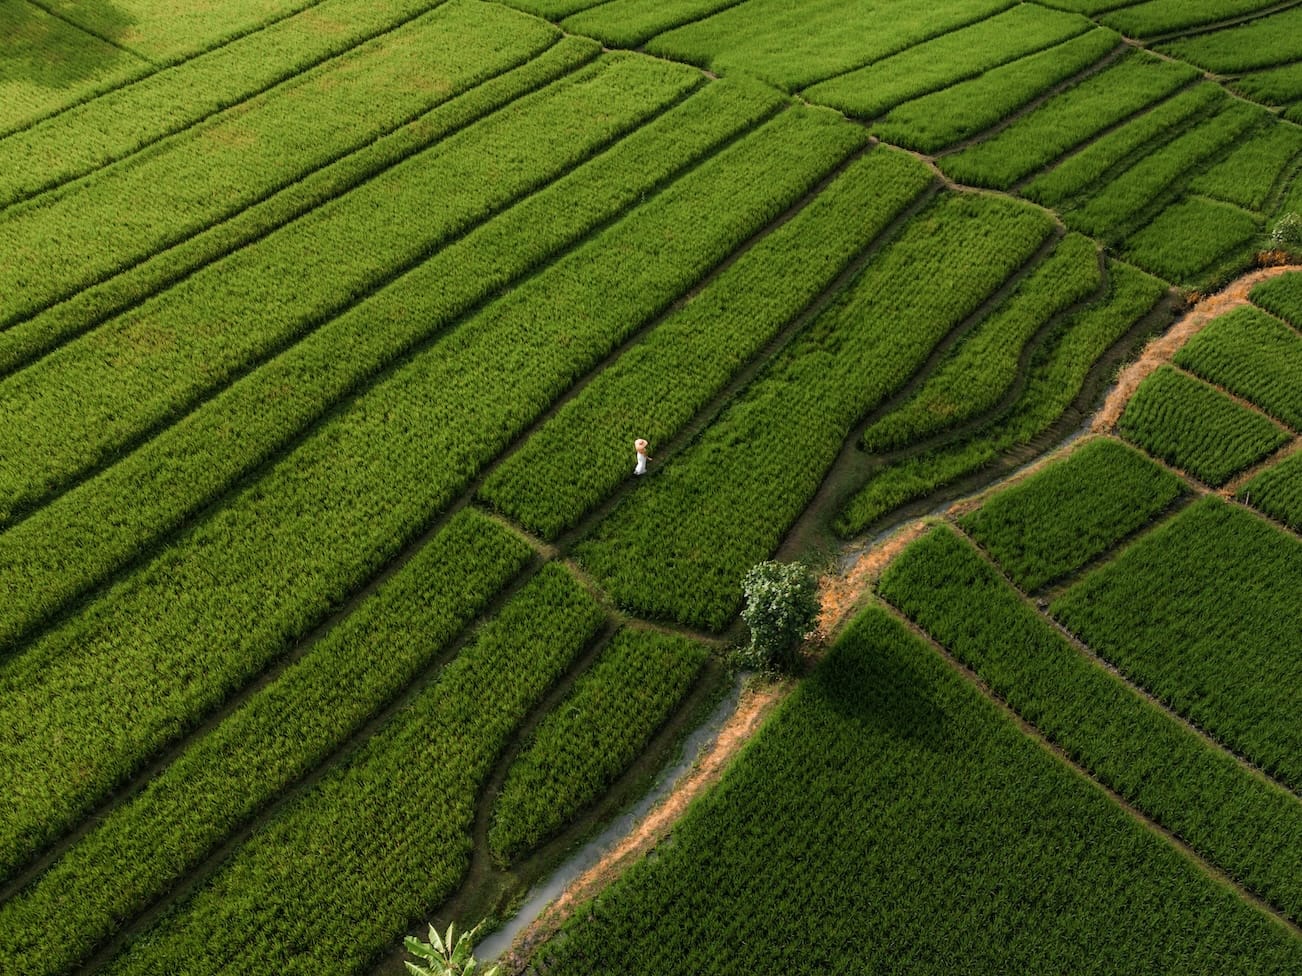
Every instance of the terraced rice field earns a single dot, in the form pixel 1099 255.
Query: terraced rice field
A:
pixel 331 604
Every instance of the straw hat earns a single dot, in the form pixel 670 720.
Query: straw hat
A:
pixel 640 444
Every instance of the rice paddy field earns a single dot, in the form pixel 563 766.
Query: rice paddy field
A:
pixel 331 604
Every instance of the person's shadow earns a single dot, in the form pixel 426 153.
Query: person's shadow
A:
pixel 52 51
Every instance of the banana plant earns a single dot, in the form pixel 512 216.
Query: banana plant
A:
pixel 450 955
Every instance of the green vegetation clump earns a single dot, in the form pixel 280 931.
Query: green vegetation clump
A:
pixel 780 609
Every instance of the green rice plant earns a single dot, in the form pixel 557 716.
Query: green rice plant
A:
pixel 126 119
pixel 1194 239
pixel 631 23
pixel 1253 355
pixel 96 397
pixel 1084 170
pixel 1272 40
pixel 1121 203
pixel 1077 508
pixel 1166 16
pixel 237 588
pixel 1068 119
pixel 34 84
pixel 592 736
pixel 679 546
pixel 22 343
pixel 951 58
pixel 932 122
pixel 1277 491
pixel 342 869
pixel 1275 86
pixel 833 842
pixel 976 374
pixel 1238 820
pixel 1055 377
pixel 1283 296
pixel 81 234
pixel 553 9
pixel 1198 429
pixel 1089 7
pixel 795 46
pixel 1249 174
pixel 582 454
pixel 1202 612
pixel 181 28
pixel 139 850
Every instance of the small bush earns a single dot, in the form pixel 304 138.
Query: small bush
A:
pixel 781 608
pixel 1288 231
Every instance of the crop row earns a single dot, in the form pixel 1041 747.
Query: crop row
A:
pixel 28 340
pixel 1167 16
pixel 795 47
pixel 1083 171
pixel 631 23
pixel 82 234
pixel 342 870
pixel 1253 355
pixel 79 540
pixel 1056 374
pixel 1068 119
pixel 1250 827
pixel 1277 491
pixel 679 547
pixel 1283 296
pixel 1201 611
pixel 1197 428
pixel 833 843
pixel 592 736
pixel 1121 203
pixel 947 60
pixel 1194 240
pixel 94 398
pixel 227 597
pixel 983 365
pixel 138 851
pixel 125 120
pixel 579 456
pixel 1056 521
pixel 1249 174
pixel 934 121
pixel 1263 43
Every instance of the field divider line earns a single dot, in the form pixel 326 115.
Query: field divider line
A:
pixel 1241 401
pixel 61 182
pixel 57 14
pixel 868 62
pixel 405 553
pixel 950 435
pixel 195 878
pixel 1235 484
pixel 840 482
pixel 1103 62
pixel 394 274
pixel 641 49
pixel 1092 656
pixel 742 378
pixel 272 192
pixel 1220 24
pixel 159 66
pixel 1101 134
pixel 1045 742
pixel 1295 329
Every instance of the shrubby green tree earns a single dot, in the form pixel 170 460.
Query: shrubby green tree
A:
pixel 451 955
pixel 1288 230
pixel 781 608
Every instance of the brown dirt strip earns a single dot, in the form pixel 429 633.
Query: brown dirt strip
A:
pixel 1163 349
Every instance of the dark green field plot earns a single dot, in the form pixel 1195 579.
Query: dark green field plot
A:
pixel 1197 428
pixel 1277 491
pixel 1283 296
pixel 1191 238
pixel 1204 611
pixel 1249 175
pixel 832 844
pixel 1253 355
pixel 1054 522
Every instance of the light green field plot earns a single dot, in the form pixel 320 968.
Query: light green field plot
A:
pixel 1199 612
pixel 943 118
pixel 946 60
pixel 1187 240
pixel 1158 17
pixel 796 46
pixel 630 23
pixel 1249 174
pixel 1198 429
pixel 1275 86
pixel 1076 509
pixel 887 768
pixel 1253 355
pixel 1264 43
pixel 1283 296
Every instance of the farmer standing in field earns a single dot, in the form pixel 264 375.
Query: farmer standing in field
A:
pixel 640 446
